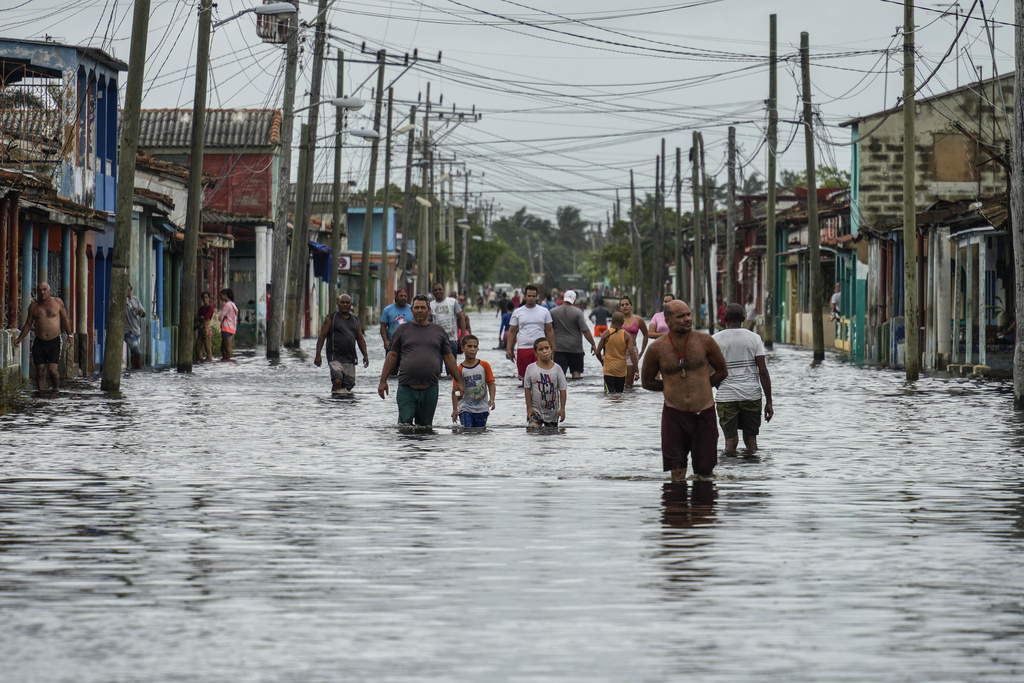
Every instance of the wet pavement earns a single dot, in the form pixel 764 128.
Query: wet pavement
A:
pixel 239 524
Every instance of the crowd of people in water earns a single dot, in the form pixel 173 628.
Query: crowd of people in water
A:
pixel 422 339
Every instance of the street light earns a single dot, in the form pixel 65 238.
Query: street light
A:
pixel 347 103
pixel 277 9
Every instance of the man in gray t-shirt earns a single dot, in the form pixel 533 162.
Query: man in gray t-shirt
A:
pixel 416 348
pixel 570 326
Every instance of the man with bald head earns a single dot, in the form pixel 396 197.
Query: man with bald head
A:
pixel 690 363
pixel 344 331
pixel 48 317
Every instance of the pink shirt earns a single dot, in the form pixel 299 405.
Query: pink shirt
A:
pixel 228 317
pixel 657 323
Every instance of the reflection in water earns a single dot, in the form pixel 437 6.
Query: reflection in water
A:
pixel 682 509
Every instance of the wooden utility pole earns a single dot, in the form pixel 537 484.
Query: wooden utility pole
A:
pixel 114 339
pixel 730 224
pixel 769 303
pixel 656 218
pixel 1017 202
pixel 304 203
pixel 385 276
pixel 638 259
pixel 432 228
pixel 337 214
pixel 194 211
pixel 371 191
pixel 680 291
pixel 813 230
pixel 279 264
pixel 696 298
pixel 910 313
pixel 710 270
pixel 660 265
pixel 407 205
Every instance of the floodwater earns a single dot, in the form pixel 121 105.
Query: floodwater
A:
pixel 238 524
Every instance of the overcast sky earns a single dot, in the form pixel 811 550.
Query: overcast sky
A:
pixel 573 94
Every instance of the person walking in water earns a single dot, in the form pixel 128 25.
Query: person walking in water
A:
pixel 545 386
pixel 657 327
pixel 416 348
pixel 633 325
pixel 690 363
pixel 834 304
pixel 599 316
pixel 613 350
pixel 394 315
pixel 739 396
pixel 447 312
pixel 528 323
pixel 570 327
pixel 47 316
pixel 471 407
pixel 228 323
pixel 345 333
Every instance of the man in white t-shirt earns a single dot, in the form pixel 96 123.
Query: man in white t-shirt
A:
pixel 834 311
pixel 528 323
pixel 739 396
pixel 446 312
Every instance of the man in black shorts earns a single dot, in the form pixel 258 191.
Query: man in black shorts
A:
pixel 48 317
pixel 570 327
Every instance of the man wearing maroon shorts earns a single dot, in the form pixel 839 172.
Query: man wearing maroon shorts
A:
pixel 690 363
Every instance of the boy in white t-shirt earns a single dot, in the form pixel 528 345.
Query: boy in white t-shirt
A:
pixel 472 406
pixel 545 388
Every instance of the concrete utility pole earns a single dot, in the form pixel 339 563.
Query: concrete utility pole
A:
pixel 768 309
pixel 304 204
pixel 384 275
pixel 680 290
pixel 407 201
pixel 337 214
pixel 464 286
pixel 710 270
pixel 432 227
pixel 638 260
pixel 912 344
pixel 296 254
pixel 194 211
pixel 1017 202
pixel 813 230
pixel 730 224
pixel 279 264
pixel 114 339
pixel 698 243
pixel 371 190
pixel 655 217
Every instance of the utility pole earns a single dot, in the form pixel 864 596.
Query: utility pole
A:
pixel 194 210
pixel 113 341
pixel 730 224
pixel 371 191
pixel 279 264
pixel 428 154
pixel 679 224
pixel 304 204
pixel 660 266
pixel 697 286
pixel 638 260
pixel 297 253
pixel 465 241
pixel 912 337
pixel 337 214
pixel 813 230
pixel 710 270
pixel 407 201
pixel 768 309
pixel 385 276
pixel 655 216
pixel 1017 202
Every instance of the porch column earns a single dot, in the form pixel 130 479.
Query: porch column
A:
pixel 65 266
pixel 44 257
pixel 5 310
pixel 81 303
pixel 944 337
pixel 982 311
pixel 929 309
pixel 12 260
pixel 969 303
pixel 957 301
pixel 26 286
pixel 261 279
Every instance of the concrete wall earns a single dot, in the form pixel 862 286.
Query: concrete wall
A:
pixel 943 155
pixel 803 334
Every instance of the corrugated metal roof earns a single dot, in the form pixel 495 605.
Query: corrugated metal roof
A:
pixel 257 129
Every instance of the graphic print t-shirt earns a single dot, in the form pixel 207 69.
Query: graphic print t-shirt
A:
pixel 545 386
pixel 476 394
pixel 394 315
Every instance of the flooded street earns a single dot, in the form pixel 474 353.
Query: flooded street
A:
pixel 239 524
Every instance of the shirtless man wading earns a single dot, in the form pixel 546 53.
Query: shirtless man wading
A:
pixel 48 316
pixel 690 363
